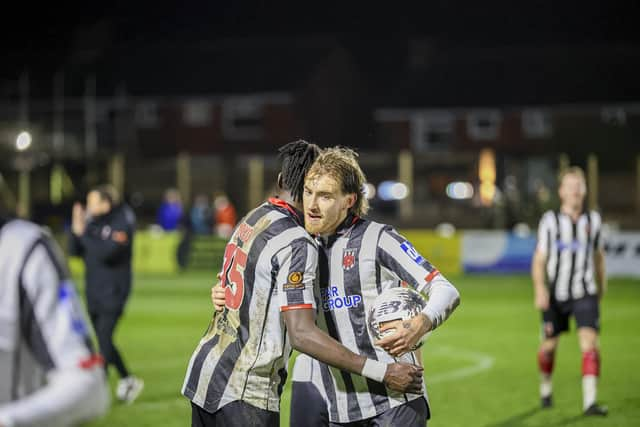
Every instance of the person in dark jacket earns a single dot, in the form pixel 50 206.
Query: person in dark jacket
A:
pixel 103 236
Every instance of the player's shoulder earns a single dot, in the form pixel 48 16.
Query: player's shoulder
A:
pixel 125 214
pixel 19 233
pixel 277 222
pixel 549 216
pixel 364 224
pixel 595 215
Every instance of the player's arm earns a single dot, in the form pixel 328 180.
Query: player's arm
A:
pixel 541 293
pixel 538 266
pixel 307 338
pixel 396 254
pixel 601 277
pixel 53 328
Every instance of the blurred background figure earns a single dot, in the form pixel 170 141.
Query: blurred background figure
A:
pixel 200 215
pixel 170 211
pixel 225 215
pixel 103 236
pixel 49 373
pixel 568 273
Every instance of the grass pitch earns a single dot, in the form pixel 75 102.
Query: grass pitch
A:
pixel 480 367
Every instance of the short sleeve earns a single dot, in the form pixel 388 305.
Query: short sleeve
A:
pixel 296 276
pixel 398 255
pixel 544 231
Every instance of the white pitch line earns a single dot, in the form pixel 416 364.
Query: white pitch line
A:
pixel 481 362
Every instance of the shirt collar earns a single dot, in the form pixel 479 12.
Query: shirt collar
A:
pixel 344 228
pixel 295 213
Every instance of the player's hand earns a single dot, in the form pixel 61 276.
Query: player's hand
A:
pixel 404 377
pixel 406 336
pixel 542 299
pixel 218 297
pixel 78 219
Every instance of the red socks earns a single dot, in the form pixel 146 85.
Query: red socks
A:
pixel 591 363
pixel 545 362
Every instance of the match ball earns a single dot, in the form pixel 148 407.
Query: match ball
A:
pixel 397 303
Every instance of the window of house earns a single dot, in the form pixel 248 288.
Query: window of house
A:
pixel 196 113
pixel 242 118
pixel 614 116
pixel 536 124
pixel 484 125
pixel 146 115
pixel 432 131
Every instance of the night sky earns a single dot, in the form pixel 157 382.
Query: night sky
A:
pixel 44 37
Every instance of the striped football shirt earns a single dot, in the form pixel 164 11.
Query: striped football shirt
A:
pixel 49 373
pixel 355 266
pixel 569 248
pixel 269 266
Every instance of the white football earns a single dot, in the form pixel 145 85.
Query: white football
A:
pixel 397 303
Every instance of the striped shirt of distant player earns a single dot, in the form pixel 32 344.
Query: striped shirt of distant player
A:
pixel 569 247
pixel 45 342
pixel 363 260
pixel 269 266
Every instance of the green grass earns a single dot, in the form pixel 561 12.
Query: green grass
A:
pixel 480 366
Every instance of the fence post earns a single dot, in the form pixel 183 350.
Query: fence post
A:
pixel 405 175
pixel 563 164
pixel 183 177
pixel 256 181
pixel 24 193
pixel 116 173
pixel 638 184
pixel 592 180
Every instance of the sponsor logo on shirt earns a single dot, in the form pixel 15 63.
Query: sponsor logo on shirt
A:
pixel 411 251
pixel 294 281
pixel 332 300
pixel 572 246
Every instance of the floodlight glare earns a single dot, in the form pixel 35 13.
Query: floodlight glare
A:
pixel 23 141
pixel 392 190
pixel 460 190
pixel 369 191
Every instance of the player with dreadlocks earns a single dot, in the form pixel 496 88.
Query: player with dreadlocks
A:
pixel 238 370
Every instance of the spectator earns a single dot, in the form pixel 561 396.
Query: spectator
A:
pixel 200 215
pixel 170 211
pixel 225 215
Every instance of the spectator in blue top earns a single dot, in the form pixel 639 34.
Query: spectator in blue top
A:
pixel 170 211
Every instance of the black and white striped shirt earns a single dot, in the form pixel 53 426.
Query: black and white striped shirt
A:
pixel 269 266
pixel 49 374
pixel 569 248
pixel 356 265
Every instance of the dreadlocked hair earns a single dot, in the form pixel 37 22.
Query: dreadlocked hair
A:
pixel 297 158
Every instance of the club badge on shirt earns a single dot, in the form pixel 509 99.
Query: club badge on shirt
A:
pixel 349 258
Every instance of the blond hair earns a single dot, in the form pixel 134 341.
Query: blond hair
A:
pixel 573 170
pixel 342 165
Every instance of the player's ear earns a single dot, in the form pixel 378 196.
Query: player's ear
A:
pixel 280 180
pixel 351 200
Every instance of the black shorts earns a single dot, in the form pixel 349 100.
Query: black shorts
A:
pixel 308 408
pixel 555 319
pixel 234 414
